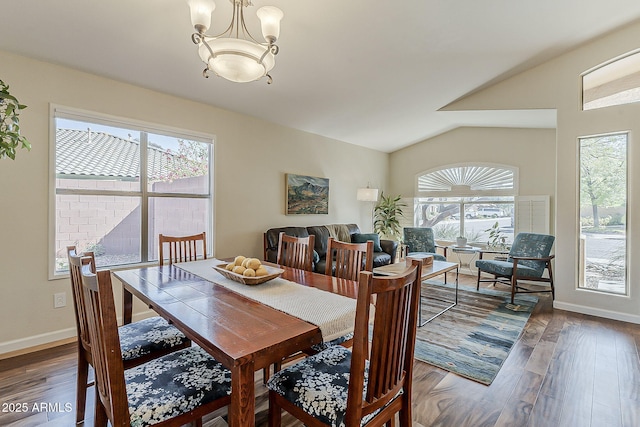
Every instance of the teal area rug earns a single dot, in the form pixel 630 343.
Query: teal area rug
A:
pixel 474 338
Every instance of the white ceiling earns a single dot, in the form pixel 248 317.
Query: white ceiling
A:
pixel 372 73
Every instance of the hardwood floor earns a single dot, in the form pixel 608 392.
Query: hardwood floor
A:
pixel 567 369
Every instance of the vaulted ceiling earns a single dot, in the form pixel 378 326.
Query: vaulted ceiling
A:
pixel 371 73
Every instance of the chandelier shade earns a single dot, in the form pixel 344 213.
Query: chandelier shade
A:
pixel 236 60
pixel 201 13
pixel 270 18
pixel 234 54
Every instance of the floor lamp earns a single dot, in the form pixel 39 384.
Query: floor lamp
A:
pixel 369 195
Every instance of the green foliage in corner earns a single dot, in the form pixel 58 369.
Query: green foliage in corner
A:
pixel 10 138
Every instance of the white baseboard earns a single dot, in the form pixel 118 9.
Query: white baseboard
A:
pixel 607 314
pixel 52 337
pixel 36 340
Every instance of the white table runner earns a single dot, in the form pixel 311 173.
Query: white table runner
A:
pixel 334 314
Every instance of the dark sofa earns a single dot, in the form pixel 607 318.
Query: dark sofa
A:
pixel 322 234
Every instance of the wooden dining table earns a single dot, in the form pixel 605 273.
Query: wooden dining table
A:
pixel 241 333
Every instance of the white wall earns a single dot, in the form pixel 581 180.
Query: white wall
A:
pixel 251 158
pixel 532 151
pixel 556 84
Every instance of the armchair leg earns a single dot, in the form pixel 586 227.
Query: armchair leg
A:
pixel 514 285
pixel 553 291
pixel 478 282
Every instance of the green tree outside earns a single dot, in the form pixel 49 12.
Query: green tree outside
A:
pixel 603 176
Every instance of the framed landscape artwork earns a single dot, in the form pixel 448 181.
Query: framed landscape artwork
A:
pixel 306 195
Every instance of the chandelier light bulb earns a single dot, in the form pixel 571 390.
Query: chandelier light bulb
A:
pixel 270 17
pixel 201 13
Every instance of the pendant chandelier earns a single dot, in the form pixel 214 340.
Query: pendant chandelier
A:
pixel 234 54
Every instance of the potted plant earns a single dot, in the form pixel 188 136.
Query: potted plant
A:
pixel 10 138
pixel 387 214
pixel 497 240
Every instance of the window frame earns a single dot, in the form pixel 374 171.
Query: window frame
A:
pixel 580 252
pixel 63 112
pixel 464 192
pixel 608 75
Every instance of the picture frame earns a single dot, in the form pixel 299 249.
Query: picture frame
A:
pixel 306 195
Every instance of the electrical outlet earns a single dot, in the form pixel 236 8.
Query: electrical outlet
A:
pixel 59 300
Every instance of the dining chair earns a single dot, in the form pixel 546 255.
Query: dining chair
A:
pixel 527 260
pixel 296 252
pixel 172 390
pixel 140 341
pixel 349 259
pixel 371 383
pixel 182 248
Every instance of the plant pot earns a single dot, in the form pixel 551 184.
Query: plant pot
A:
pixel 461 241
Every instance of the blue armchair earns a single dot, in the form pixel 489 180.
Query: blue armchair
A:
pixel 420 241
pixel 527 260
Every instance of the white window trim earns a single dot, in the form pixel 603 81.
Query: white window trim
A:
pixel 59 111
pixel 524 208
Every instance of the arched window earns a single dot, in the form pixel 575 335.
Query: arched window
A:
pixel 616 82
pixel 466 200
pixel 462 180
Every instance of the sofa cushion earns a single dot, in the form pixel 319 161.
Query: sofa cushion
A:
pixel 380 259
pixel 322 236
pixel 364 238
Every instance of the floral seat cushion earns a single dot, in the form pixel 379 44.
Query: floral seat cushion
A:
pixel 319 385
pixel 174 384
pixel 338 341
pixel 147 336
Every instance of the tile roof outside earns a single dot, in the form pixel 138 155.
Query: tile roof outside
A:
pixel 98 154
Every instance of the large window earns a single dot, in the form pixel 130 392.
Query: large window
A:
pixel 466 200
pixel 119 184
pixel 481 214
pixel 603 213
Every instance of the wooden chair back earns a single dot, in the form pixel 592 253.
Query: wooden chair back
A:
pixel 182 248
pixel 82 328
pixel 75 267
pixel 349 259
pixel 392 345
pixel 296 252
pixel 105 343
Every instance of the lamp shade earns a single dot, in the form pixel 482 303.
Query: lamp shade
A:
pixel 270 17
pixel 367 194
pixel 201 13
